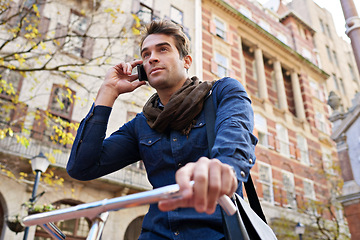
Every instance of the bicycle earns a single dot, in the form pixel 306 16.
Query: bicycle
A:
pixel 99 211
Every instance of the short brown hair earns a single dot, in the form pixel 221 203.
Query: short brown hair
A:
pixel 169 28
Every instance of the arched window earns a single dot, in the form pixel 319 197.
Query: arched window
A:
pixel 74 229
pixel 134 229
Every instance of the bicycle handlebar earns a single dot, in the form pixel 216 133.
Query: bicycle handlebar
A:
pixel 91 210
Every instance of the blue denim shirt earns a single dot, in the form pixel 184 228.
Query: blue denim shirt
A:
pixel 93 156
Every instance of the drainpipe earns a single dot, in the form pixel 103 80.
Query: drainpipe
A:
pixel 352 20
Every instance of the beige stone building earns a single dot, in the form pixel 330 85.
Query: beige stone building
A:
pixel 43 92
pixel 334 53
pixel 272 56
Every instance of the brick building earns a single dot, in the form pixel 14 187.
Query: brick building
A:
pixel 271 55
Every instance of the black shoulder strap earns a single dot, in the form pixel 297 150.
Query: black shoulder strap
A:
pixel 210 116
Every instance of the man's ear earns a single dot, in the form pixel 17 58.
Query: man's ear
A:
pixel 187 61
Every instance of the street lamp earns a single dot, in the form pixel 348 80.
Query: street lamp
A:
pixel 300 229
pixel 39 164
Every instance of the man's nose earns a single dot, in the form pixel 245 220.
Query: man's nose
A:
pixel 153 58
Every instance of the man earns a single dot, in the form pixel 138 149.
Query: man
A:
pixel 170 137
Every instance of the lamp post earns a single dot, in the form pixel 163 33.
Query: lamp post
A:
pixel 300 229
pixel 39 164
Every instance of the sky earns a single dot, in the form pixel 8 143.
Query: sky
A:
pixel 334 7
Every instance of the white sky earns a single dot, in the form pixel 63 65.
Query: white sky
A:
pixel 334 7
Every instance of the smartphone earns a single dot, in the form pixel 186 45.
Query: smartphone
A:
pixel 141 73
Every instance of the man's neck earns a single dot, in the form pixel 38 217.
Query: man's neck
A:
pixel 165 94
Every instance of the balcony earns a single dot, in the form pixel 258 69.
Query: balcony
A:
pixel 130 176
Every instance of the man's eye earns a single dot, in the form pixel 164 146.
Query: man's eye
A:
pixel 163 49
pixel 145 55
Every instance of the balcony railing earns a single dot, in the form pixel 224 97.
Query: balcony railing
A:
pixel 130 176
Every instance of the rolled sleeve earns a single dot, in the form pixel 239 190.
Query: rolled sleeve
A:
pixel 234 142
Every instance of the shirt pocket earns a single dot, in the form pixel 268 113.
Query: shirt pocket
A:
pixel 151 150
pixel 198 135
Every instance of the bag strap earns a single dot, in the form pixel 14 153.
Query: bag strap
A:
pixel 210 116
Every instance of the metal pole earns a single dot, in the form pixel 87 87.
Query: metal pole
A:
pixel 36 184
pixel 300 236
pixel 352 20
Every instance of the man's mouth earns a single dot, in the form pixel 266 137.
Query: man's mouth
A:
pixel 155 70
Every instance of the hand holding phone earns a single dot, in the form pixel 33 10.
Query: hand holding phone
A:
pixel 141 73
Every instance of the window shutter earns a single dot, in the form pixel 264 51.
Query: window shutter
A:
pixel 43 27
pixel 135 6
pixel 60 34
pixel 214 67
pixel 212 27
pixel 230 37
pixel 39 125
pixel 88 47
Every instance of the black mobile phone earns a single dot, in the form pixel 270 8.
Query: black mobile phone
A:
pixel 141 73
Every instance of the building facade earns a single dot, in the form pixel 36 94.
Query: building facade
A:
pixel 40 110
pixel 272 55
pixel 335 54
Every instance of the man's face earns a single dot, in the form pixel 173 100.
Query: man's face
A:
pixel 162 63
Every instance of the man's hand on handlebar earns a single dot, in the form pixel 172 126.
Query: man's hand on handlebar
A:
pixel 212 179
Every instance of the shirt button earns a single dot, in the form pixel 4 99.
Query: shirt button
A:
pixel 149 141
pixel 176 233
pixel 251 161
pixel 200 124
pixel 174 139
pixel 179 164
pixel 242 174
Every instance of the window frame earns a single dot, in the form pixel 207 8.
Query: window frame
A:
pixel 291 189
pixel 282 136
pixel 269 183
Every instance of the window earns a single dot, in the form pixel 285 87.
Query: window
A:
pixel 314 87
pixel 146 12
pixel 61 101
pixel 328 30
pixel 176 15
pixel 342 86
pixel 265 177
pixel 335 58
pixel 76 44
pixel 246 12
pixel 320 122
pixel 328 53
pixel 353 76
pixel 261 127
pixel 322 26
pixel 220 28
pixel 309 191
pixel 283 138
pixel 289 187
pixel 335 81
pixel 303 149
pixel 327 161
pixel 10 83
pixel 222 65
